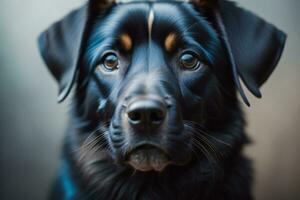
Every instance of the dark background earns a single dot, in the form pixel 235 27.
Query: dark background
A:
pixel 32 123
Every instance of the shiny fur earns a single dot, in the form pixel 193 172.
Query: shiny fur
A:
pixel 204 132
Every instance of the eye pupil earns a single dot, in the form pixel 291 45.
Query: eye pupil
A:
pixel 189 61
pixel 111 62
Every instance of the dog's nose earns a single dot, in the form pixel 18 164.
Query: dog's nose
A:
pixel 146 113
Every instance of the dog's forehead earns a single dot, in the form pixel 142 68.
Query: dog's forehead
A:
pixel 144 21
pixel 145 12
pixel 167 25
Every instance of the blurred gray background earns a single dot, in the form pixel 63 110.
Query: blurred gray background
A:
pixel 32 123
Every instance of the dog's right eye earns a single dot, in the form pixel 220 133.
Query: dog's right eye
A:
pixel 110 62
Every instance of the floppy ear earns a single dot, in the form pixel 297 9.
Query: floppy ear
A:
pixel 253 46
pixel 60 48
pixel 62 43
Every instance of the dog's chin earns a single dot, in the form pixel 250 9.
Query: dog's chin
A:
pixel 148 158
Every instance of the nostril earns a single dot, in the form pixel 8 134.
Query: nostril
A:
pixel 146 113
pixel 135 116
pixel 157 116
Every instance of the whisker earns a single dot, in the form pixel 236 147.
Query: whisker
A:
pixel 200 128
pixel 87 143
pixel 211 146
pixel 206 153
pixel 199 138
pixel 210 151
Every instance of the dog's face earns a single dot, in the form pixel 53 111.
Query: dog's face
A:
pixel 153 65
pixel 157 81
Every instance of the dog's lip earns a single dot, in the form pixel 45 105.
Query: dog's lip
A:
pixel 147 158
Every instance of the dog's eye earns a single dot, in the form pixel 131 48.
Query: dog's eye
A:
pixel 111 62
pixel 189 61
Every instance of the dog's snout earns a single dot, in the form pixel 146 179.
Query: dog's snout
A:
pixel 146 113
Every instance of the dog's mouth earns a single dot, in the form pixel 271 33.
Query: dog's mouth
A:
pixel 148 158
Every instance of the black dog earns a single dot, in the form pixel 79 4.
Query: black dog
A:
pixel 155 113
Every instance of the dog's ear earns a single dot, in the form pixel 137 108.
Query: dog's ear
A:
pixel 60 47
pixel 62 43
pixel 253 46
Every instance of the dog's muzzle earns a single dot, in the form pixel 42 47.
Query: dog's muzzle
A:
pixel 150 124
pixel 145 115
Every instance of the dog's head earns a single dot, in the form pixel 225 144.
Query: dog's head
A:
pixel 153 77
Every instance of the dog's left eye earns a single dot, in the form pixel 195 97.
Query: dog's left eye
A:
pixel 189 61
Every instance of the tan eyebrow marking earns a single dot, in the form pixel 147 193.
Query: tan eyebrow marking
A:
pixel 126 41
pixel 170 41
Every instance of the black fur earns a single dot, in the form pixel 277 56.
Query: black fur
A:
pixel 204 133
